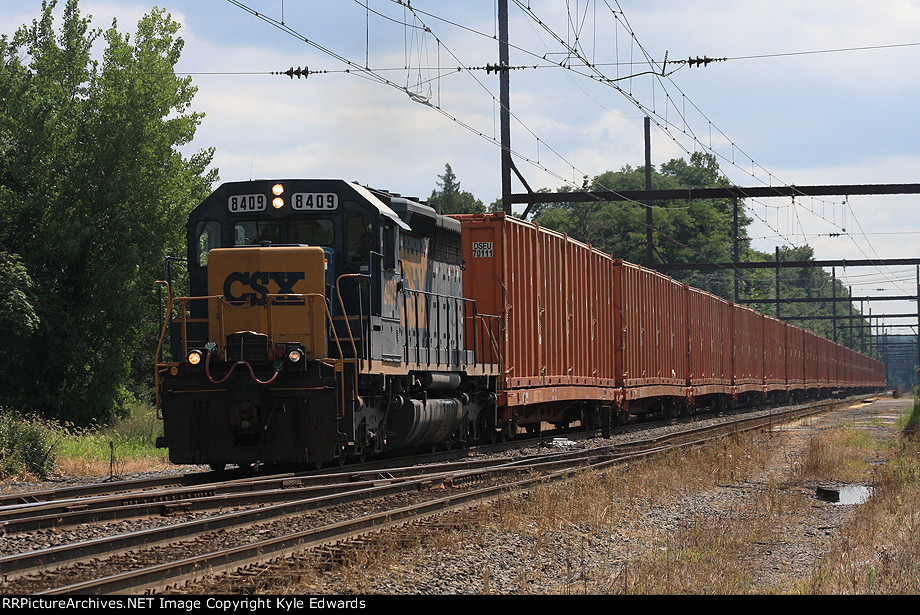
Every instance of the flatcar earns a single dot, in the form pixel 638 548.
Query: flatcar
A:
pixel 328 321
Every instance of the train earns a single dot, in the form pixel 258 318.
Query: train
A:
pixel 326 321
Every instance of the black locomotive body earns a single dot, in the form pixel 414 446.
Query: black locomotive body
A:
pixel 323 321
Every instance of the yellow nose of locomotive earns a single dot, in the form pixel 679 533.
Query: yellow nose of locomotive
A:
pixel 275 292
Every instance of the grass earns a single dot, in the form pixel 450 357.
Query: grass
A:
pixel 879 551
pixel 663 526
pixel 673 526
pixel 127 445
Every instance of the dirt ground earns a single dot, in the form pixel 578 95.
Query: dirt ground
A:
pixel 693 540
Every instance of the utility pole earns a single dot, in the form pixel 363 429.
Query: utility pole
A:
pixel 648 186
pixel 834 303
pixel 777 282
pixel 735 244
pixel 504 103
pixel 852 333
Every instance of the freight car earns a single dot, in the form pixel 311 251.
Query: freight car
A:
pixel 592 338
pixel 326 321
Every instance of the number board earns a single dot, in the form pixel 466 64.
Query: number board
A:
pixel 246 202
pixel 482 249
pixel 315 201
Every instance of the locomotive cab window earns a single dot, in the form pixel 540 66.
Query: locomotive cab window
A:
pixel 208 238
pixel 312 232
pixel 391 247
pixel 359 239
pixel 254 232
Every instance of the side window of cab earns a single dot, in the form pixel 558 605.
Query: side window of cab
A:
pixel 359 238
pixel 208 238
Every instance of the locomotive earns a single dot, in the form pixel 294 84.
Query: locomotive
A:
pixel 325 321
pixel 328 321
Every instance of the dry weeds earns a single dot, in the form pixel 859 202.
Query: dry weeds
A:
pixel 736 517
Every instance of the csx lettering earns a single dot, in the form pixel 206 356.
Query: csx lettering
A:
pixel 259 283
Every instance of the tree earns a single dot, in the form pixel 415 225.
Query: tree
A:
pixel 93 195
pixel 450 199
pixel 700 230
pixel 17 314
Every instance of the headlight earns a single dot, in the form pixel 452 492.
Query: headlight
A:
pixel 295 355
pixel 194 357
pixel 278 189
pixel 277 202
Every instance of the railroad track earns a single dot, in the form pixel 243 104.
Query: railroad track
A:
pixel 279 516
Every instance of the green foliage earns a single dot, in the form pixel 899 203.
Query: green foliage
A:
pixel 912 423
pixel 93 195
pixel 802 283
pixel 17 314
pixel 698 231
pixel 131 437
pixel 694 232
pixel 25 445
pixel 450 199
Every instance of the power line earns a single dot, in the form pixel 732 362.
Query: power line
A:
pixel 822 51
pixel 574 50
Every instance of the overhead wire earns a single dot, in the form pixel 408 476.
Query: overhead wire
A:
pixel 573 50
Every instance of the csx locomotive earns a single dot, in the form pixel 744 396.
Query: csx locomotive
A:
pixel 325 321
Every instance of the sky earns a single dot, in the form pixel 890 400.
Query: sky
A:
pixel 785 107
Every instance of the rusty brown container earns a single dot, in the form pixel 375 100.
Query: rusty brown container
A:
pixel 828 363
pixel 710 342
pixel 749 349
pixel 811 360
pixel 554 299
pixel 652 354
pixel 795 357
pixel 846 367
pixel 775 351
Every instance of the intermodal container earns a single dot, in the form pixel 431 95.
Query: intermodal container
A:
pixel 710 342
pixel 555 298
pixel 775 345
pixel 747 327
pixel 652 322
pixel 812 371
pixel 795 357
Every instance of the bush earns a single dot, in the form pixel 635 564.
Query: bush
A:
pixel 24 446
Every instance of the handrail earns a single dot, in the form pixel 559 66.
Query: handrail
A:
pixel 222 301
pixel 158 356
pixel 338 292
pixel 435 327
